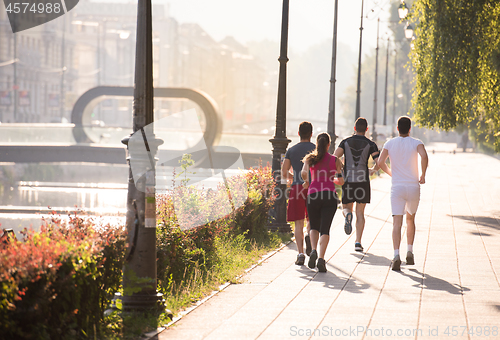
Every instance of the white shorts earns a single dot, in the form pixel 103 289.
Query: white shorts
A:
pixel 405 199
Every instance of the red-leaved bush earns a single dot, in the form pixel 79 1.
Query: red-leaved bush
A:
pixel 56 283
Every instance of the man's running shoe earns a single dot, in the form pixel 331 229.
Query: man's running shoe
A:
pixel 409 258
pixel 308 245
pixel 348 223
pixel 396 263
pixel 358 246
pixel 312 259
pixel 322 265
pixel 301 258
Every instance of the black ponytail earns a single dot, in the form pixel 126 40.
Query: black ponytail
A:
pixel 322 141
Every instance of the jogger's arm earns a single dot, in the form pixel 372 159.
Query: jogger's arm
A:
pixel 305 174
pixel 382 164
pixel 424 161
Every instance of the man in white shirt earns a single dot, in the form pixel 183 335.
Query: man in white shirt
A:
pixel 403 152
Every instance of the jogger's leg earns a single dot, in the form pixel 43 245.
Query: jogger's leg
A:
pixel 323 244
pixel 396 230
pixel 299 235
pixel 360 220
pixel 410 228
pixel 346 208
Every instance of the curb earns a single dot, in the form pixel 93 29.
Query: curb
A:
pixel 152 334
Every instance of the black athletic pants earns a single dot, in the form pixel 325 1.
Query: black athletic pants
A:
pixel 321 207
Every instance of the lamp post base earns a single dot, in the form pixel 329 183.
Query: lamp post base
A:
pixel 280 227
pixel 141 302
pixel 279 210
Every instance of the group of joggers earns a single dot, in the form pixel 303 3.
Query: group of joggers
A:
pixel 313 173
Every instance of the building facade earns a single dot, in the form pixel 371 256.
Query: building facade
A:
pixel 44 70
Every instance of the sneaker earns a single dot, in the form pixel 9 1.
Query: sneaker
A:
pixel 409 258
pixel 358 246
pixel 348 223
pixel 396 263
pixel 301 258
pixel 308 245
pixel 312 259
pixel 322 265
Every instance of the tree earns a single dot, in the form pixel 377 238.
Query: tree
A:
pixel 457 65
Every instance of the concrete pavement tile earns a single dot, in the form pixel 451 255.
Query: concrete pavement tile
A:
pixel 398 302
pixel 482 295
pixel 483 309
pixel 479 282
pixel 485 321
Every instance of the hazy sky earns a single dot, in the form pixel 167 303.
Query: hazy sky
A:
pixel 311 21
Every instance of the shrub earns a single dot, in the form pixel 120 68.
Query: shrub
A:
pixel 183 251
pixel 56 283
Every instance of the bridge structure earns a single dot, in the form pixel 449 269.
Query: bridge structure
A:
pixel 80 141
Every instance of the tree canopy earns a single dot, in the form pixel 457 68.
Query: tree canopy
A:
pixel 456 58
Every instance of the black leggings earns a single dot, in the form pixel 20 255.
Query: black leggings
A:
pixel 321 207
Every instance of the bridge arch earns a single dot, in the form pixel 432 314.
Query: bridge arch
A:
pixel 81 114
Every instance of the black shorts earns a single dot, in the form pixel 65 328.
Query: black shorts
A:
pixel 356 192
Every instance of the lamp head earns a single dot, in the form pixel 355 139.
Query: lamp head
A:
pixel 408 31
pixel 402 10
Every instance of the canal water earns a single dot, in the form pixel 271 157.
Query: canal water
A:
pixel 23 203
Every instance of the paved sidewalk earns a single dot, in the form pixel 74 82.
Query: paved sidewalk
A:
pixel 453 291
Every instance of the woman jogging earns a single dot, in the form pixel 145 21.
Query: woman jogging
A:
pixel 322 199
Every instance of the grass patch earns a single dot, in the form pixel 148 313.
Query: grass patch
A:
pixel 235 255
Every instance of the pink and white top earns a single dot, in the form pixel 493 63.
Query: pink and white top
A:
pixel 323 175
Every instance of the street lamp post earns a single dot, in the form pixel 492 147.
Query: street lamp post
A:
pixel 280 141
pixel 139 270
pixel 386 81
pixel 63 68
pixel 394 91
pixel 374 133
pixel 358 90
pixel 333 80
pixel 16 86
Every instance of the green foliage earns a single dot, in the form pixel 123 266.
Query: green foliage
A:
pixel 186 161
pixel 56 283
pixel 456 60
pixel 192 260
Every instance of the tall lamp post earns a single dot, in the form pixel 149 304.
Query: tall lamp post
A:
pixel 139 270
pixel 358 90
pixel 333 80
pixel 386 82
pixel 280 141
pixel 374 133
pixel 63 68
pixel 394 91
pixel 15 87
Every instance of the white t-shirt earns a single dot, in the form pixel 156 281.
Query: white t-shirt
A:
pixel 404 160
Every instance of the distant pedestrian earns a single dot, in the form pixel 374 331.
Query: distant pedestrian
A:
pixel 403 152
pixel 297 210
pixel 357 150
pixel 321 196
